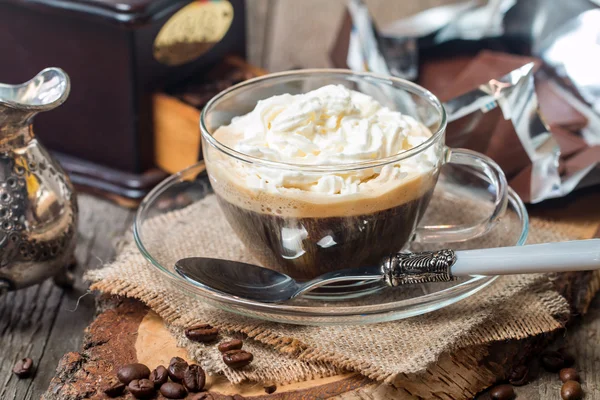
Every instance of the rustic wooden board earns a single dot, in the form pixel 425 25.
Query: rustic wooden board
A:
pixel 128 332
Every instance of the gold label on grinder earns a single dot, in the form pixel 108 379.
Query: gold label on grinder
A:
pixel 192 31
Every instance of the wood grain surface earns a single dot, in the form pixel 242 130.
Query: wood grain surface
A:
pixel 126 331
pixel 44 322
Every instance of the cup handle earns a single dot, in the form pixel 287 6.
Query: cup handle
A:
pixel 459 233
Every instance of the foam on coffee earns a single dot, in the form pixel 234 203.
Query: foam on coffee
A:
pixel 331 125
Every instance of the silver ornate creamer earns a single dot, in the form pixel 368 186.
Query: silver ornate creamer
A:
pixel 38 206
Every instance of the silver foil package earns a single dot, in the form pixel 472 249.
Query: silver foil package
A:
pixel 514 96
pixel 501 117
pixel 573 51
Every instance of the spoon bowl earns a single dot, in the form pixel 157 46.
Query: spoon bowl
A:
pixel 252 282
pixel 268 286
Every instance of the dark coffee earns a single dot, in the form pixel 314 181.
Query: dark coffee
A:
pixel 308 247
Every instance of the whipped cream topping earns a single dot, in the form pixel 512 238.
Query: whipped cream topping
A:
pixel 328 126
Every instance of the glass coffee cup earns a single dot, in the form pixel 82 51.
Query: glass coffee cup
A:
pixel 305 234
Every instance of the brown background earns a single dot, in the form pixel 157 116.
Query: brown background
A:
pixel 287 34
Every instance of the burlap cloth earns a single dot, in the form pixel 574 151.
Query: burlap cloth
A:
pixel 511 308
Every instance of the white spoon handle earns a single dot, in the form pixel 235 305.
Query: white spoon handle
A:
pixel 444 265
pixel 579 255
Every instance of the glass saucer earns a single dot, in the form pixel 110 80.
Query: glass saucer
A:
pixel 459 198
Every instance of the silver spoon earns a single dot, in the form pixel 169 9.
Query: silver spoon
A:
pixel 264 285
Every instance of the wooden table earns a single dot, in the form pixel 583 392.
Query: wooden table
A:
pixel 44 323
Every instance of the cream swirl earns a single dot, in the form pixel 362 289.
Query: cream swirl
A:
pixel 328 126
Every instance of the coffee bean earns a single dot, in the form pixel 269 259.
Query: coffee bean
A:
pixel 270 389
pixel 177 367
pixel 519 376
pixel 569 374
pixel 129 372
pixel 571 390
pixel 194 378
pixel 568 358
pixel 202 333
pixel 172 390
pixel 552 361
pixel 176 359
pixel 113 387
pixel 237 358
pixel 502 392
pixel 234 344
pixel 201 396
pixel 159 376
pixel 141 388
pixel 23 368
